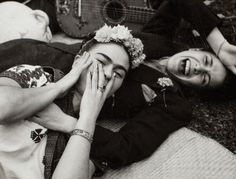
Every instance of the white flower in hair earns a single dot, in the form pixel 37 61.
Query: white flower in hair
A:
pixel 103 35
pixel 122 34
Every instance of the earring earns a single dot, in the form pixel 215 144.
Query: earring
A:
pixel 113 100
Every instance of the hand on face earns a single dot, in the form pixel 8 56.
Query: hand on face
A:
pixel 80 64
pixel 227 55
pixel 96 91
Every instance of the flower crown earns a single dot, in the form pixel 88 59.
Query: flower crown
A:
pixel 121 34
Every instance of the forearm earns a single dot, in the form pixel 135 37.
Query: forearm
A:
pixel 168 15
pixel 17 103
pixel 75 159
pixel 198 14
pixel 215 39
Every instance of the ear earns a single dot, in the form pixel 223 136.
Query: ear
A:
pixel 41 16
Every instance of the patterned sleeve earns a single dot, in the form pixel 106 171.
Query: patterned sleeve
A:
pixel 28 76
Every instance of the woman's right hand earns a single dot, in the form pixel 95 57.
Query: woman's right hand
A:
pixel 80 64
pixel 96 91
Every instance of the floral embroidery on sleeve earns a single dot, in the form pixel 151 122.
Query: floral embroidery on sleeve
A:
pixel 28 76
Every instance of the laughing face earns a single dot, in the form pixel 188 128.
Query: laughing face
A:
pixel 114 60
pixel 197 68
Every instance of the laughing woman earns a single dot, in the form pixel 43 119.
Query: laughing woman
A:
pixel 27 103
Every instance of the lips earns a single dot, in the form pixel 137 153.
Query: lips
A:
pixel 184 67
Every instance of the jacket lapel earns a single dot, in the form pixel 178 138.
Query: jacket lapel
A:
pixel 149 76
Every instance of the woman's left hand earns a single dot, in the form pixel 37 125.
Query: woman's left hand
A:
pixel 227 56
pixel 96 91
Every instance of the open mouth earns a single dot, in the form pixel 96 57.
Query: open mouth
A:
pixel 184 67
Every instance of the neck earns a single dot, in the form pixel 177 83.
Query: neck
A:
pixel 76 101
pixel 159 65
pixel 163 61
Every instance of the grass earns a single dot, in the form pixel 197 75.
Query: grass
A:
pixel 213 117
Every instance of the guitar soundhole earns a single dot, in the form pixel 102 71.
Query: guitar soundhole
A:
pixel 114 12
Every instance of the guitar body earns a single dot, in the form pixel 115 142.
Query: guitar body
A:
pixel 78 18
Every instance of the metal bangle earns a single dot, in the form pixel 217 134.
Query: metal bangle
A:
pixel 83 134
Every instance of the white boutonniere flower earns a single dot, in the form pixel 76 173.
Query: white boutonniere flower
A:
pixel 165 82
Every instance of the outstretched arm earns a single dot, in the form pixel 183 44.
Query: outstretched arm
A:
pixel 166 21
pixel 19 103
pixel 202 19
pixel 170 12
pixel 225 51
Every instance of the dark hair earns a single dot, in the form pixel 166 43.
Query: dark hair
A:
pixel 229 85
pixel 226 91
pixel 89 42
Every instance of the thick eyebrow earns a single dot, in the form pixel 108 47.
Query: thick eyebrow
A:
pixel 110 60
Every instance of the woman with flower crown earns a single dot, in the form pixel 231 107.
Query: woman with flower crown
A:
pixel 28 93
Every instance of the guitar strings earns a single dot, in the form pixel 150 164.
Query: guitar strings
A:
pixel 128 9
pixel 131 14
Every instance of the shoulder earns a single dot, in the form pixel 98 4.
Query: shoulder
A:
pixel 28 76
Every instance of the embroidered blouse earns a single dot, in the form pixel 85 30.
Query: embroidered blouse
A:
pixel 22 144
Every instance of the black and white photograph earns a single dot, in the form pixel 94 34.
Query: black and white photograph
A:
pixel 118 89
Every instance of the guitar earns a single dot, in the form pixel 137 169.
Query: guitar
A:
pixel 78 18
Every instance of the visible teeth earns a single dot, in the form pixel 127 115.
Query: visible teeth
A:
pixel 187 67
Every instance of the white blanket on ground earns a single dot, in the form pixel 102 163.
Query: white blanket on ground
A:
pixel 184 155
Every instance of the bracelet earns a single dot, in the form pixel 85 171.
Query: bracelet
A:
pixel 83 134
pixel 220 47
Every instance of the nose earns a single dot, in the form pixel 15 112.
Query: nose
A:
pixel 108 71
pixel 200 69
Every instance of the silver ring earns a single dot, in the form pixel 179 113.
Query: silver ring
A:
pixel 102 88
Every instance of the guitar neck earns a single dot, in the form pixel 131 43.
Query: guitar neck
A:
pixel 139 15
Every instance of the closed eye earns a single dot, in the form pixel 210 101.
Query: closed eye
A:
pixel 205 60
pixel 211 61
pixel 119 75
pixel 102 62
pixel 118 72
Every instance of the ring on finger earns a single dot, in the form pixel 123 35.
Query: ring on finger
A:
pixel 101 88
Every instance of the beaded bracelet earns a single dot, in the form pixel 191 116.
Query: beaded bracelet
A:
pixel 83 134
